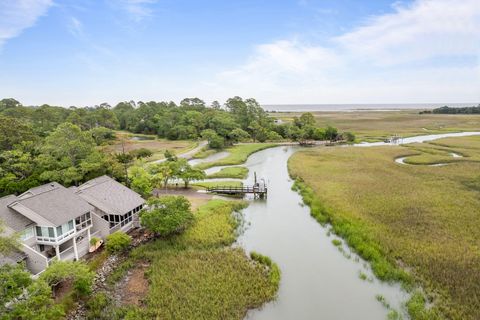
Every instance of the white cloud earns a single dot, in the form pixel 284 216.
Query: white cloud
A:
pixel 390 58
pixel 284 58
pixel 75 27
pixel 18 15
pixel 425 29
pixel 138 9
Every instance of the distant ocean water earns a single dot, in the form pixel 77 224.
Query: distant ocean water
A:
pixel 361 107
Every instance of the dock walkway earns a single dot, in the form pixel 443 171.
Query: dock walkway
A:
pixel 256 190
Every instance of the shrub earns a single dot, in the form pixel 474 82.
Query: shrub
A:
pixel 168 215
pixel 101 307
pixel 238 135
pixel 77 271
pixel 273 136
pixel 118 242
pixel 38 306
pixel 350 137
pixel 142 153
pixel 216 142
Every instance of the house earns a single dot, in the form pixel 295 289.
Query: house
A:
pixel 57 223
pixel 116 207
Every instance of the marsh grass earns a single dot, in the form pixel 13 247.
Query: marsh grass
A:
pixel 238 154
pixel 230 172
pixel 197 275
pixel 363 276
pixel 440 151
pixel 336 242
pixel 424 218
pixel 272 268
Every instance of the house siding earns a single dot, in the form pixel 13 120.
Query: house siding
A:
pixel 100 225
pixel 36 262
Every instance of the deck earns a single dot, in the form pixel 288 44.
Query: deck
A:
pixel 260 191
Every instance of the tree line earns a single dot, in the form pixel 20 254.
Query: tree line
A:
pixel 46 143
pixel 67 155
pixel 452 110
pixel 236 120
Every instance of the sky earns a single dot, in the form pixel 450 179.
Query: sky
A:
pixel 85 52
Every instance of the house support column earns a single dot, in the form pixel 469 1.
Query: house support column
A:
pixel 75 251
pixel 88 236
pixel 57 251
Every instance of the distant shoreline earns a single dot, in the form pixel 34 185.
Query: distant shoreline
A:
pixel 360 107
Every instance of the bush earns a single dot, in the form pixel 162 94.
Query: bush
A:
pixel 169 215
pixel 77 271
pixel 142 153
pixel 102 307
pixel 238 135
pixel 216 142
pixel 101 135
pixel 350 137
pixel 117 242
pixel 273 136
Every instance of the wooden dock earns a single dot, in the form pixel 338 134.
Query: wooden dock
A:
pixel 257 190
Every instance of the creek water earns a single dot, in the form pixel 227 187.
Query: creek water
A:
pixel 319 280
pixel 418 139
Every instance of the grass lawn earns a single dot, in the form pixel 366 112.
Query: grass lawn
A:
pixel 226 183
pixel 231 172
pixel 377 125
pixel 156 145
pixel 197 275
pixel 238 154
pixel 424 218
pixel 205 152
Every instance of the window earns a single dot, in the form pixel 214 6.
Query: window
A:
pixel 26 234
pixel 122 220
pixel 45 232
pixel 41 247
pixel 70 225
pixel 59 231
pixel 83 221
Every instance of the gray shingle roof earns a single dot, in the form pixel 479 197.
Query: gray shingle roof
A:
pixel 40 189
pixel 109 195
pixel 56 204
pixel 10 217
